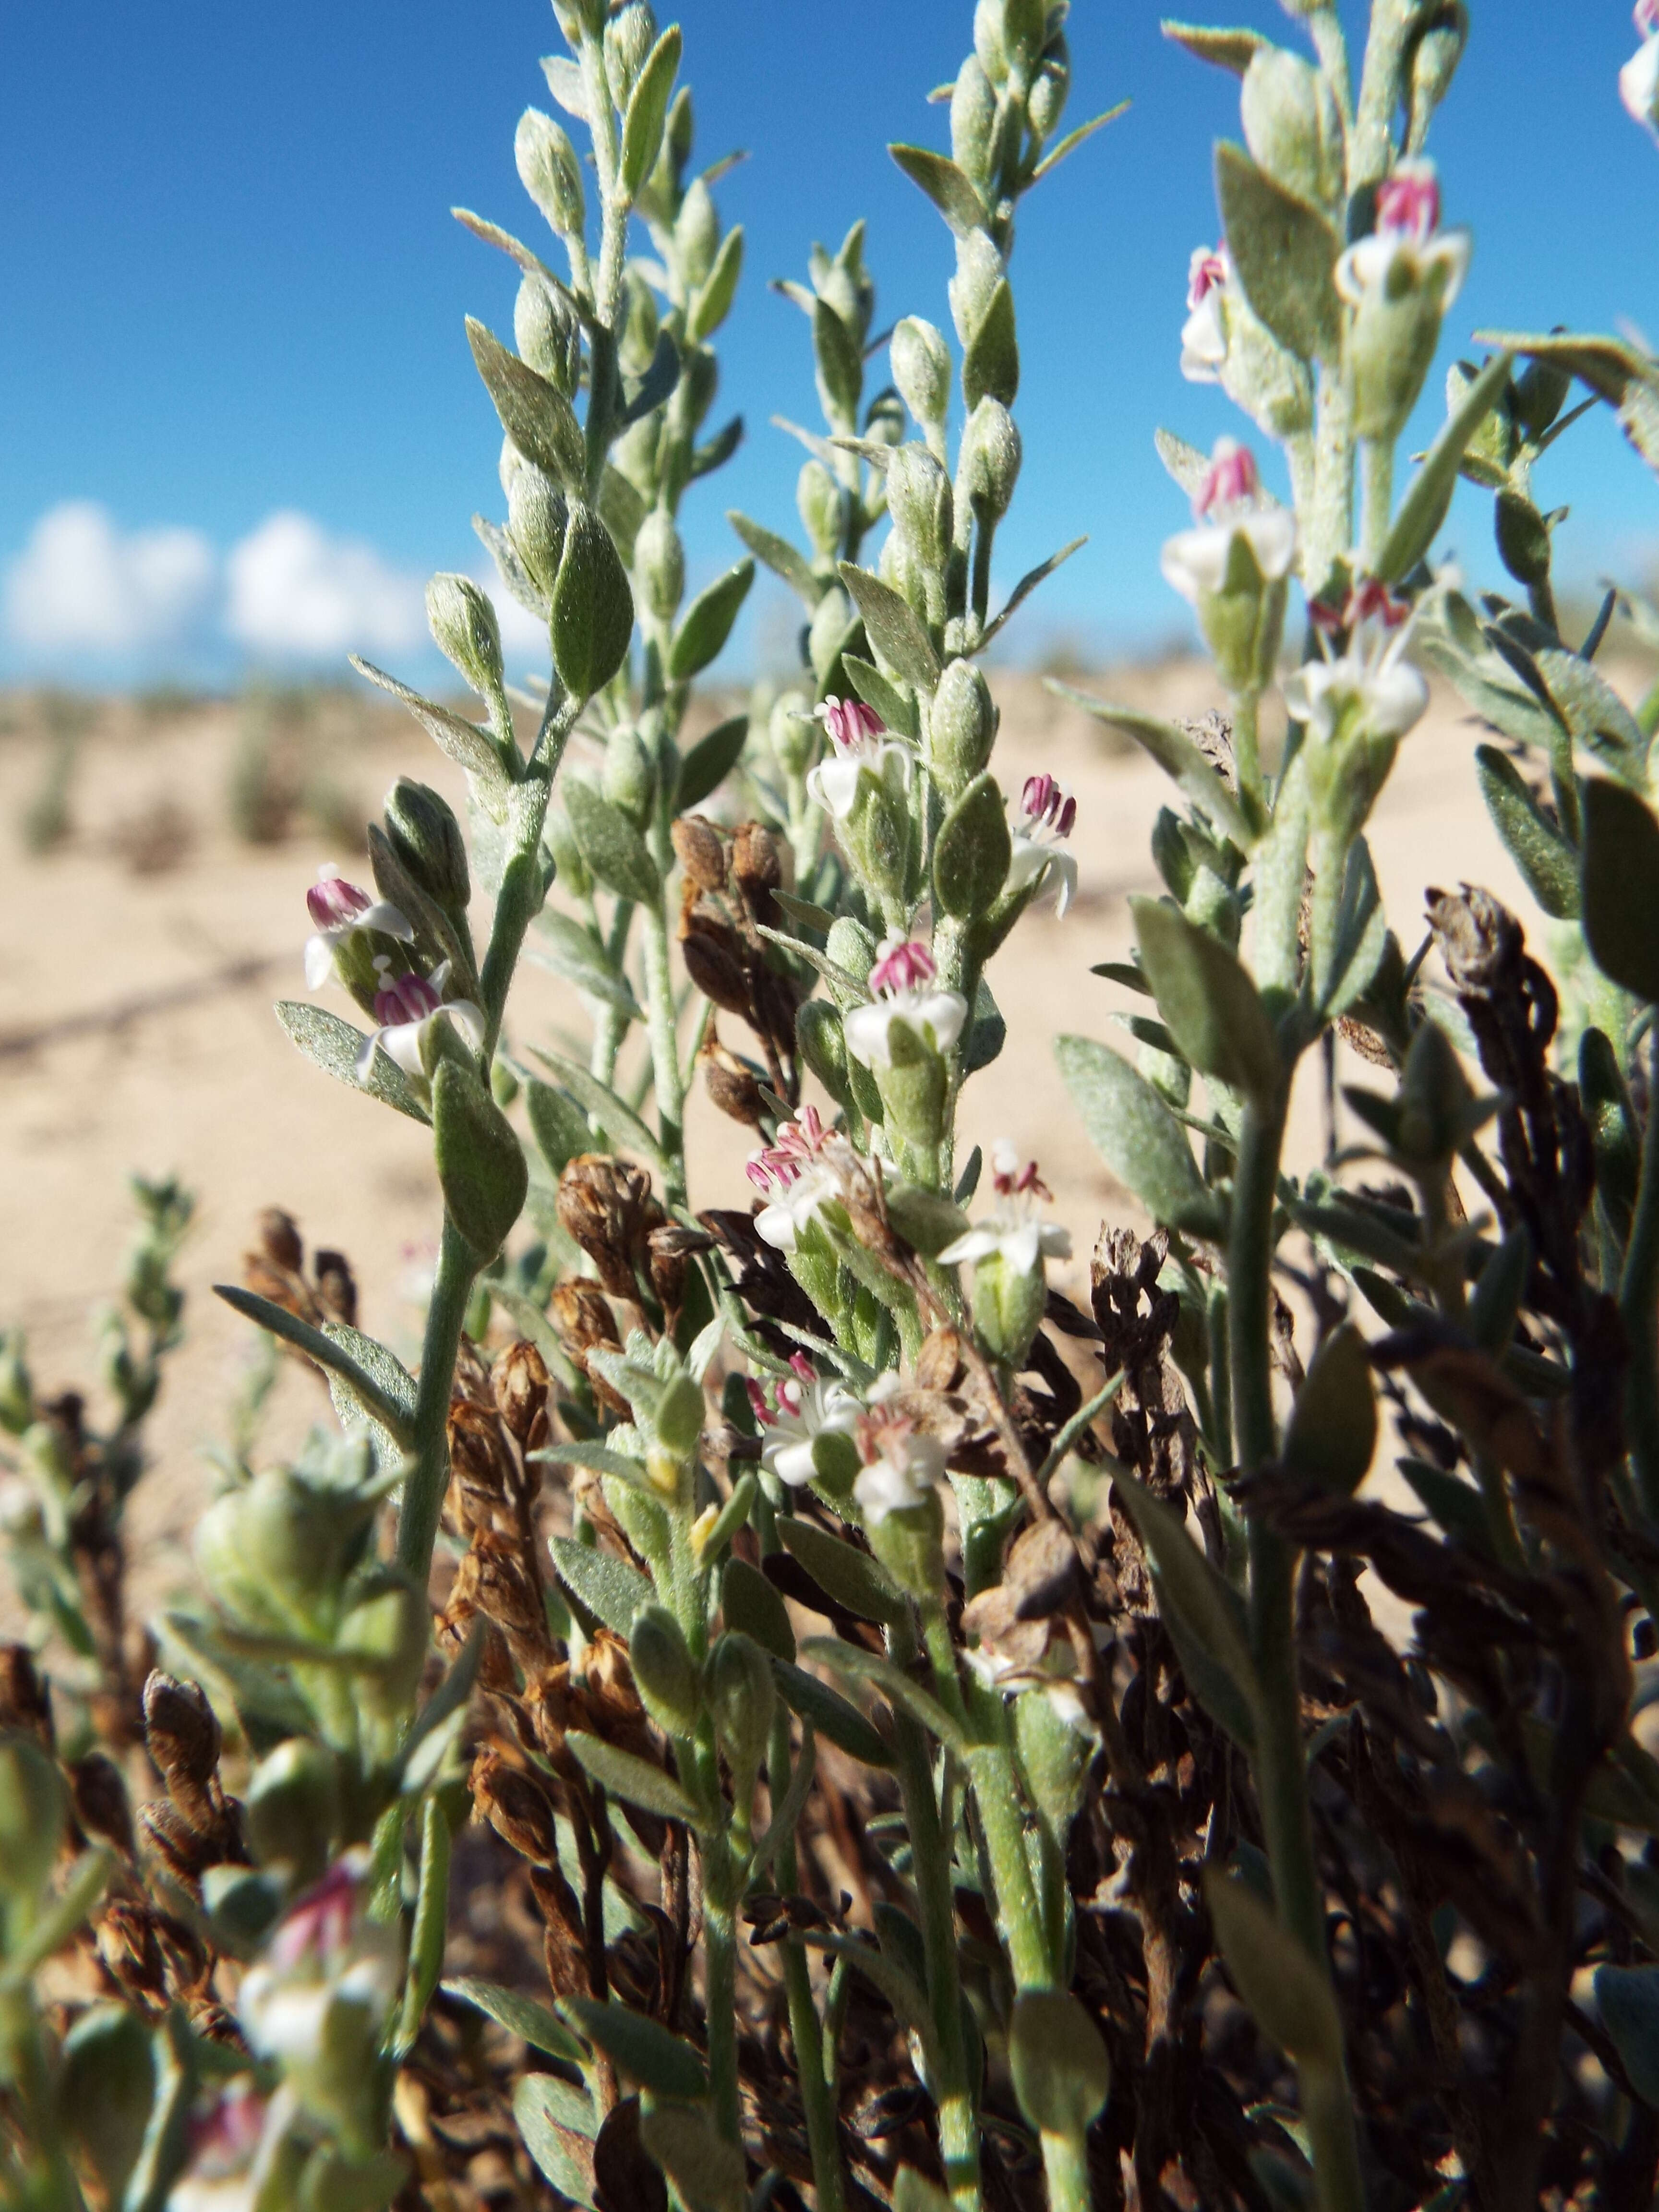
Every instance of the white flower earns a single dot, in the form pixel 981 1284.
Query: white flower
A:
pixel 798 1409
pixel 326 1951
pixel 858 744
pixel 405 1007
pixel 1638 80
pixel 232 2149
pixel 1370 686
pixel 1230 504
pixel 1014 1229
pixel 1203 334
pixel 795 1177
pixel 899 983
pixel 900 1466
pixel 1047 815
pixel 1406 251
pixel 339 909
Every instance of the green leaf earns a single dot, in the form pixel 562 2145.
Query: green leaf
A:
pixel 950 189
pixel 1228 49
pixel 557 1123
pixel 1423 509
pixel 635 1781
pixel 709 761
pixel 386 1393
pixel 1619 887
pixel 852 1578
pixel 896 706
pixel 986 1031
pixel 535 414
pixel 613 847
pixel 899 1689
pixel 1138 1137
pixel 480 1162
pixel 782 559
pixel 749 1603
pixel 1547 862
pixel 1208 1001
pixel 707 623
pixel 430 1923
pixel 926 1219
pixel 644 2050
pixel 1174 753
pixel 1332 1435
pixel 619 1122
pixel 1028 582
pixel 893 627
pixel 830 1714
pixel 564 2154
pixel 1614 1136
pixel 1188 464
pixel 569 949
pixel 1622 374
pixel 973 852
pixel 1069 144
pixel 990 365
pixel 1628 1998
pixel 1284 253
pixel 612 1591
pixel 463 742
pixel 105 2091
pixel 1281 1984
pixel 713 301
pixel 1597 717
pixel 656 387
pixel 1062 2076
pixel 840 366
pixel 1362 934
pixel 647 104
pixel 708 2173
pixel 592 608
pixel 1198 1602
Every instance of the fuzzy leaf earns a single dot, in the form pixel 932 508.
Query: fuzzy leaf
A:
pixel 635 1781
pixel 564 2154
pixel 896 705
pixel 648 105
pixel 1619 887
pixel 1138 1137
pixel 893 627
pixel 1362 934
pixel 1597 717
pixel 748 1602
pixel 1028 582
pixel 990 365
pixel 563 945
pixel 566 83
pixel 385 1391
pixel 1546 860
pixel 830 1714
pixel 709 761
pixel 1174 753
pixel 644 2050
pixel 592 616
pixel 535 414
pixel 894 1684
pixel 480 1162
pixel 950 189
pixel 467 745
pixel 618 1120
pixel 841 368
pixel 1228 49
pixel 613 847
pixel 973 852
pixel 1332 1435
pixel 707 623
pixel 1197 1601
pixel 557 1123
pixel 1207 999
pixel 1428 496
pixel 612 1591
pixel 713 302
pixel 1284 252
pixel 657 386
pixel 1281 1984
pixel 708 2173
pixel 1062 2076
pixel 782 559
pixel 852 1578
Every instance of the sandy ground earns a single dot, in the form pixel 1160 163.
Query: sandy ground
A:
pixel 136 1032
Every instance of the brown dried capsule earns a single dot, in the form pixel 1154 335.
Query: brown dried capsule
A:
pixel 517 1807
pixel 606 1205
pixel 731 1083
pixel 713 956
pixel 518 1380
pixel 24 1703
pixel 938 1363
pixel 755 860
pixel 100 1800
pixel 701 854
pixel 181 1733
pixel 280 1240
pixel 337 1287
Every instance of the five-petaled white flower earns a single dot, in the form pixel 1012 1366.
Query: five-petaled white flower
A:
pixel 859 744
pixel 1204 333
pixel 1047 814
pixel 1407 250
pixel 900 1466
pixel 1230 504
pixel 1370 686
pixel 1014 1229
pixel 901 989
pixel 405 1007
pixel 1638 80
pixel 793 1176
pixel 796 1410
pixel 338 909
pixel 326 1951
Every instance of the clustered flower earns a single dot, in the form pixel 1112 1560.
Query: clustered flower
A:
pixel 1014 1230
pixel 338 909
pixel 1203 334
pixel 900 1464
pixel 1229 504
pixel 901 986
pixel 794 1413
pixel 859 745
pixel 792 1174
pixel 1047 813
pixel 1370 685
pixel 1408 251
pixel 1638 80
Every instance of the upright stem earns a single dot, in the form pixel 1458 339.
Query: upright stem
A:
pixel 665 1048
pixel 1330 526
pixel 1638 1304
pixel 1377 464
pixel 719 1937
pixel 817 2094
pixel 429 1476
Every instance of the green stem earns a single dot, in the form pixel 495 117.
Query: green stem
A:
pixel 1001 1813
pixel 665 1049
pixel 1247 752
pixel 817 2094
pixel 1330 526
pixel 1377 477
pixel 428 1474
pixel 1065 2166
pixel 1639 1305
pixel 719 1937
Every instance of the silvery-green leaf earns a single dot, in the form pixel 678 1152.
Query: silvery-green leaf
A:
pixel 987 1032
pixel 647 106
pixel 1619 887
pixel 899 1689
pixel 894 627
pixel 840 365
pixel 644 2050
pixel 1546 860
pixel 381 1386
pixel 558 1124
pixel 973 852
pixel 950 189
pixel 709 761
pixel 707 623
pixel 1284 253
pixel 782 559
pixel 1362 934
pixel 635 1781
pixel 535 414
pixel 894 703
pixel 714 453
pixel 1202 1608
pixel 852 1578
pixel 713 302
pixel 1174 753
pixel 748 1602
pixel 333 1045
pixel 621 509
pixel 1138 1137
pixel 990 365
pixel 658 383
pixel 1595 713
pixel 1069 144
pixel 564 2153
pixel 613 847
pixel 1189 466
pixel 1062 2076
pixel 1228 49
pixel 1028 582
pixel 1625 376
pixel 1428 496
pixel 832 1715
pixel 567 84
pixel 466 744
pixel 612 1591
pixel 593 607
pixel 618 1118
pixel 1208 1001
pixel 709 2173
pixel 1284 1988
pixel 480 1162
pixel 509 567
pixel 569 949
pixel 1331 1438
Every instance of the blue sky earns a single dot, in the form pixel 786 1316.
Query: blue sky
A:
pixel 233 295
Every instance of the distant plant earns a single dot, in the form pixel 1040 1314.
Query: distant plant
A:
pixel 47 818
pixel 1178 1881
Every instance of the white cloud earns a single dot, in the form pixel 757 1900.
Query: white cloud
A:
pixel 295 593
pixel 80 583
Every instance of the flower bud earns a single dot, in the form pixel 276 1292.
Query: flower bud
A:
pixel 659 563
pixel 962 726
pixel 537 518
pixel 1435 57
pixel 641 1519
pixel 1293 126
pixel 792 732
pixel 988 49
pixel 742 1697
pixel 919 501
pixel 568 865
pixel 549 171
pixel 679 1417
pixel 851 946
pixel 631 773
pixel 1008 1306
pixel 548 335
pixel 465 630
pixel 697 233
pixel 921 369
pixel 914 1086
pixel 980 269
pixel 293 1807
pixel 665 1672
pixel 1046 103
pixel 427 838
pixel 34 1810
pixel 987 467
pixel 630 32
pixel 1055 1748
pixel 820 502
pixel 973 122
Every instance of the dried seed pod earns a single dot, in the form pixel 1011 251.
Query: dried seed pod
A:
pixel 181 1732
pixel 701 852
pixel 337 1287
pixel 279 1239
pixel 667 1268
pixel 938 1363
pixel 606 1206
pixel 24 1703
pixel 756 861
pixel 729 1083
pixel 99 1798
pixel 131 1952
pixel 1041 1570
pixel 713 952
pixel 185 1850
pixel 480 1461
pixel 517 1807
pixel 518 1380
pixel 501 1586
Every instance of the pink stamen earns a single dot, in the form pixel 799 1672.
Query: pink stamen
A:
pixel 757 1402
pixel 904 969
pixel 1371 600
pixel 1232 481
pixel 1210 268
pixel 797 1145
pixel 321 1921
pixel 1044 801
pixel 802 1367
pixel 1010 1183
pixel 1647 18
pixel 333 902
pixel 879 1427
pixel 1408 203
pixel 851 723
pixel 410 999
